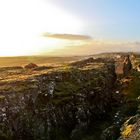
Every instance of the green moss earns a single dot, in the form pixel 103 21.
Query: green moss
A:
pixel 19 87
pixel 61 101
pixel 65 68
pixel 133 89
pixel 65 88
pixel 90 138
pixel 58 134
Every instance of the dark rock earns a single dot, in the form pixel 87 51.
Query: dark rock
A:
pixel 31 66
pixel 127 65
pixel 110 133
pixel 40 68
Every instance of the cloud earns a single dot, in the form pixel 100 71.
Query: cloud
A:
pixel 85 45
pixel 98 46
pixel 67 36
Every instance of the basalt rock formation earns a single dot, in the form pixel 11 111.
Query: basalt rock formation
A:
pixel 123 65
pixel 58 105
pixel 31 66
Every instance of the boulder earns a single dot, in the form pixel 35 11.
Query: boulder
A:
pixel 31 66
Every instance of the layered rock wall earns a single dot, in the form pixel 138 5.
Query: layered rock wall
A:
pixel 61 105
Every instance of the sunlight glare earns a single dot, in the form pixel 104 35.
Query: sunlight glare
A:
pixel 22 23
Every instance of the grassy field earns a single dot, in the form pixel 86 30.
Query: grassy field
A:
pixel 39 60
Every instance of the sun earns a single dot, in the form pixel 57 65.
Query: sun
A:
pixel 24 21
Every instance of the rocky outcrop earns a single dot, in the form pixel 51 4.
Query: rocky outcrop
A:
pixel 58 105
pixel 91 60
pixel 31 66
pixel 127 65
pixel 123 65
pixel 82 62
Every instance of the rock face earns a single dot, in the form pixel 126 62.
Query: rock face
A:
pixel 123 65
pixel 58 105
pixel 127 65
pixel 31 66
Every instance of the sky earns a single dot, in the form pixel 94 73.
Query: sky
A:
pixel 68 27
pixel 106 19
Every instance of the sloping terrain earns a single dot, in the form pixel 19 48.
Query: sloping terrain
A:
pixel 82 100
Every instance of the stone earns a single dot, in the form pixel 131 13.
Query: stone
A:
pixel 31 66
pixel 123 65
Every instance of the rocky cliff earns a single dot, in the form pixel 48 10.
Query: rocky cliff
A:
pixel 61 104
